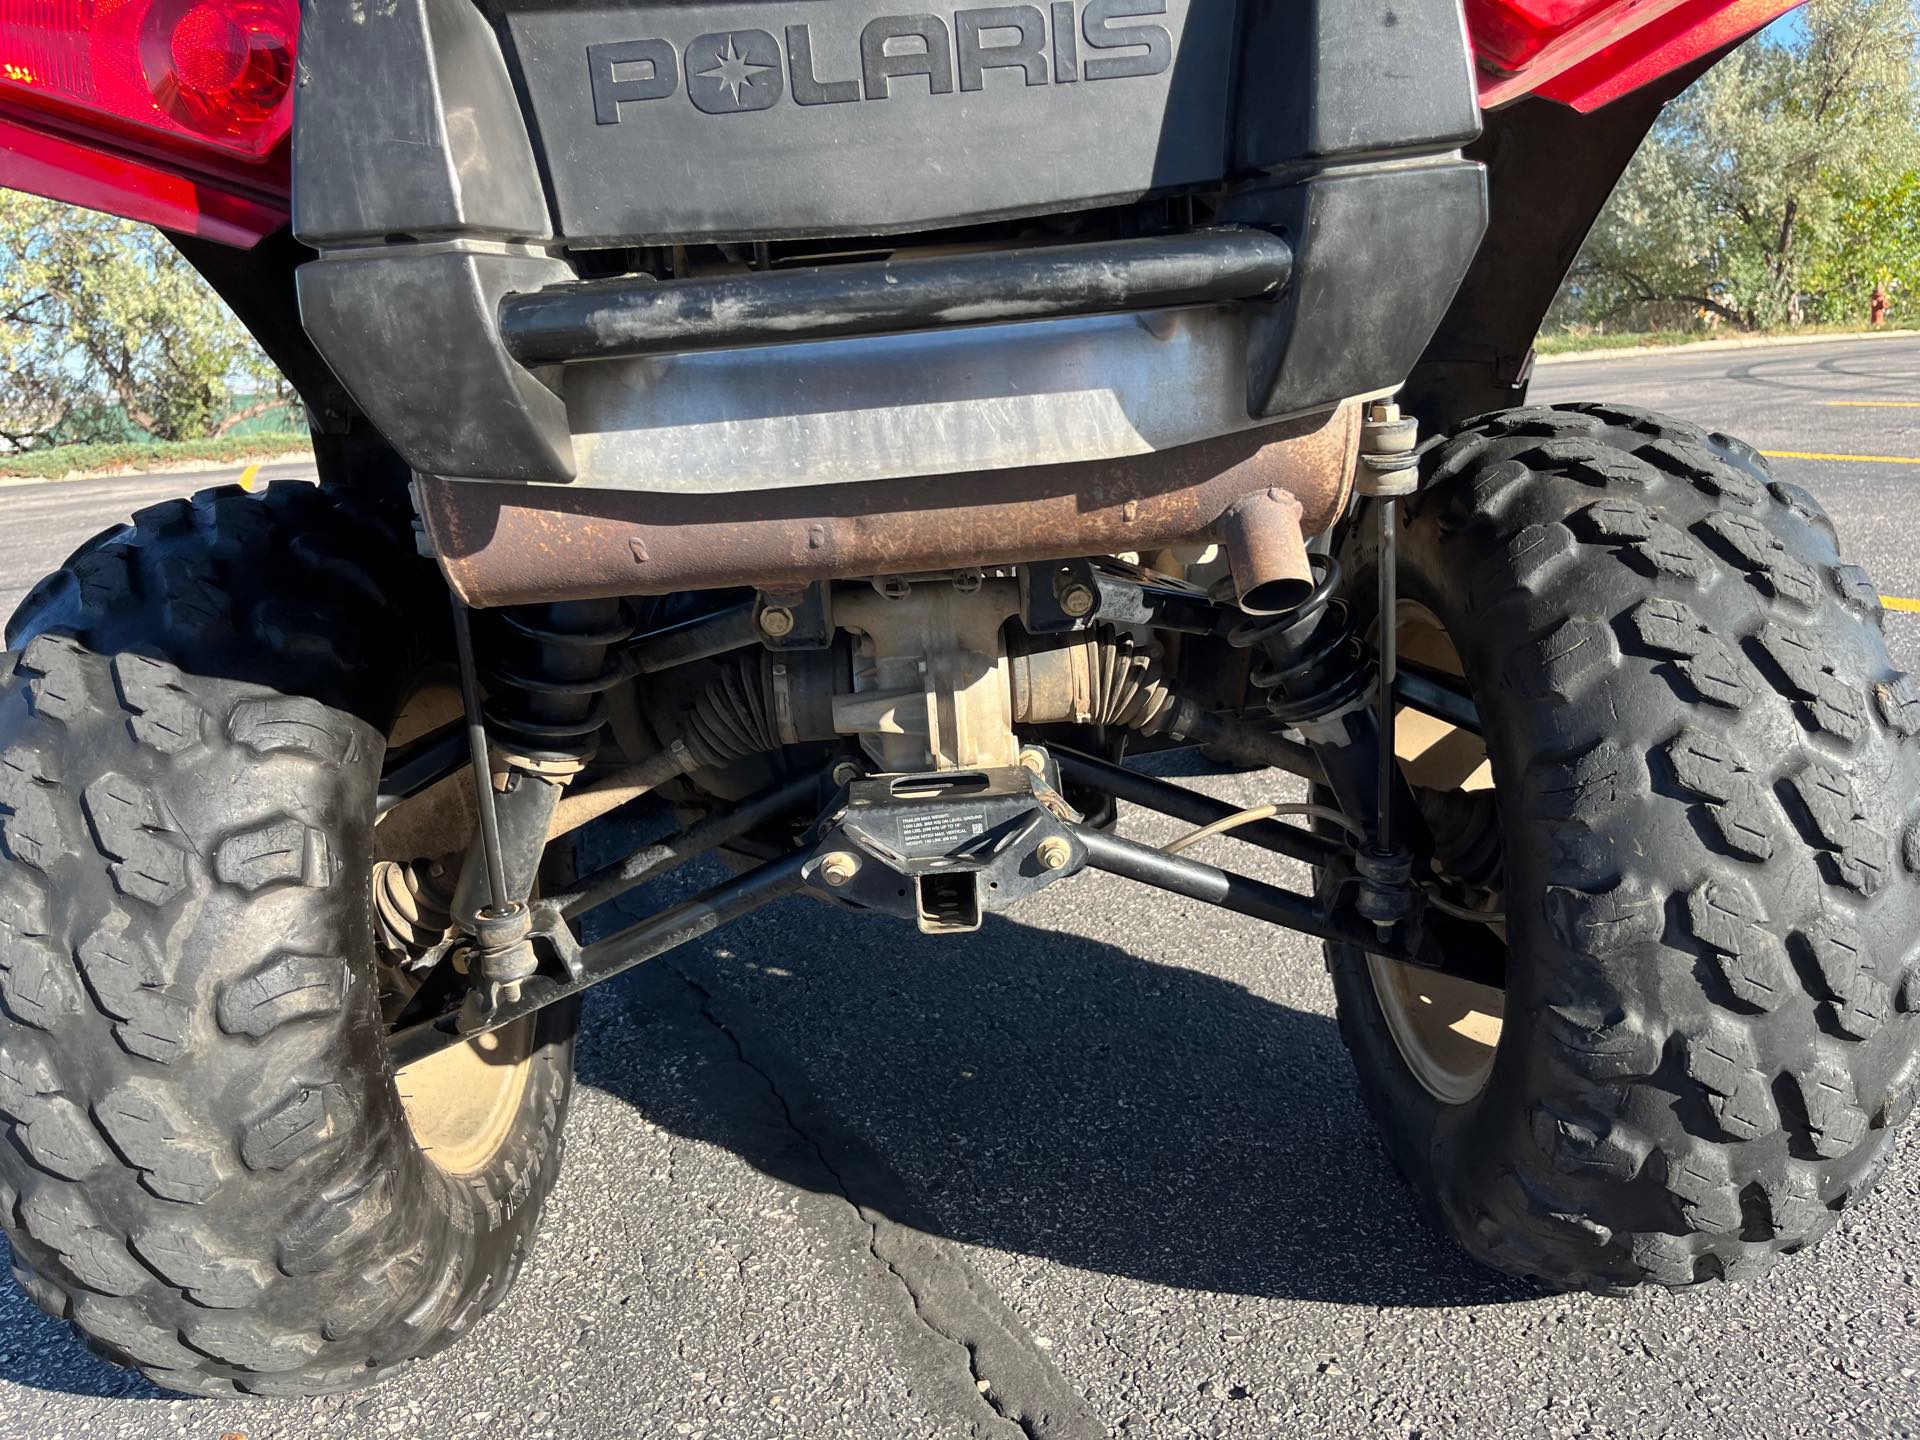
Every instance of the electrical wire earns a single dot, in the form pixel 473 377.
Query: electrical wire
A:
pixel 1260 812
pixel 1332 817
pixel 1461 912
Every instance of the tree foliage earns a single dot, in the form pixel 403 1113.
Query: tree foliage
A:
pixel 1781 187
pixel 103 325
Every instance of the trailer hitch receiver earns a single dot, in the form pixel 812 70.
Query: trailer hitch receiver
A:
pixel 944 849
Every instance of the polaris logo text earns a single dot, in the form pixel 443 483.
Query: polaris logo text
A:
pixel 738 70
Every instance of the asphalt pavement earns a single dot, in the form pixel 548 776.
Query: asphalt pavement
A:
pixel 44 521
pixel 1100 1169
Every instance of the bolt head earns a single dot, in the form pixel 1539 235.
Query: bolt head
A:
pixel 1034 760
pixel 839 867
pixel 845 773
pixel 1078 601
pixel 1054 853
pixel 777 621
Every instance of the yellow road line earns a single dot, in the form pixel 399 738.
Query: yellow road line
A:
pixel 1853 459
pixel 1900 602
pixel 1876 404
pixel 249 478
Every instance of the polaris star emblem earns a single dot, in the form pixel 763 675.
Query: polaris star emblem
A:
pixel 739 70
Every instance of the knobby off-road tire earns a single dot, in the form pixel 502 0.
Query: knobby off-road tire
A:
pixel 1707 780
pixel 206 1167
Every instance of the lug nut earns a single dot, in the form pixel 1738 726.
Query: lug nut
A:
pixel 1077 601
pixel 1054 853
pixel 776 621
pixel 839 867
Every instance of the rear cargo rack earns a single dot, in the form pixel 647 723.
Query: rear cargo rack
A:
pixel 636 316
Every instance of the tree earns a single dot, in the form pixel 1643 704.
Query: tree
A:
pixel 1753 195
pixel 1876 242
pixel 102 319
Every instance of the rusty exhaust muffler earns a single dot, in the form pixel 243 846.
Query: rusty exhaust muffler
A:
pixel 1257 492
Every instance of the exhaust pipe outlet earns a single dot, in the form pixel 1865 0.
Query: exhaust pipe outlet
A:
pixel 1267 552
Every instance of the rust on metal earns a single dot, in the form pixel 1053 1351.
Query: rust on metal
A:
pixel 1266 551
pixel 516 544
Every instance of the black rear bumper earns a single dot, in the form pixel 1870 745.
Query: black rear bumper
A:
pixel 1295 165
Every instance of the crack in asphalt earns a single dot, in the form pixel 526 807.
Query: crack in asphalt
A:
pixel 1054 1411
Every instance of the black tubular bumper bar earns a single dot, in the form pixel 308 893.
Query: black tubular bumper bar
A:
pixel 612 319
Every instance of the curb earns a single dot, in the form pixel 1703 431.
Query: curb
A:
pixel 179 467
pixel 1756 342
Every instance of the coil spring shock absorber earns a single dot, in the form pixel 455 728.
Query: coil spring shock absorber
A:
pixel 549 667
pixel 1319 680
pixel 548 678
pixel 1311 666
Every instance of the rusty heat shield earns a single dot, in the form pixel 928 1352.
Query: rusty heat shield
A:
pixel 508 544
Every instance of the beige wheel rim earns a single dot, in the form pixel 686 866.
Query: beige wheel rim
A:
pixel 461 1104
pixel 1446 1029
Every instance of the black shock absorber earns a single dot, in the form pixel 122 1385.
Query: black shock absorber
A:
pixel 1310 664
pixel 547 676
pixel 1320 679
pixel 547 670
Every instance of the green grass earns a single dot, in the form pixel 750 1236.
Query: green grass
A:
pixel 1569 343
pixel 1577 342
pixel 56 461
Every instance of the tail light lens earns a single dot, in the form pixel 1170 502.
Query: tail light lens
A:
pixel 208 74
pixel 1588 52
pixel 1509 33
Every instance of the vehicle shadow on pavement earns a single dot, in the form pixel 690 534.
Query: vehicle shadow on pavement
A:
pixel 1038 1093
pixel 1024 1089
pixel 41 1352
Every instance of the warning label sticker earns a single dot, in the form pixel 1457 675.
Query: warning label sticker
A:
pixel 939 828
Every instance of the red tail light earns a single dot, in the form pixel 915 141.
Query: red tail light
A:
pixel 1587 52
pixel 199 73
pixel 1509 33
pixel 175 112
